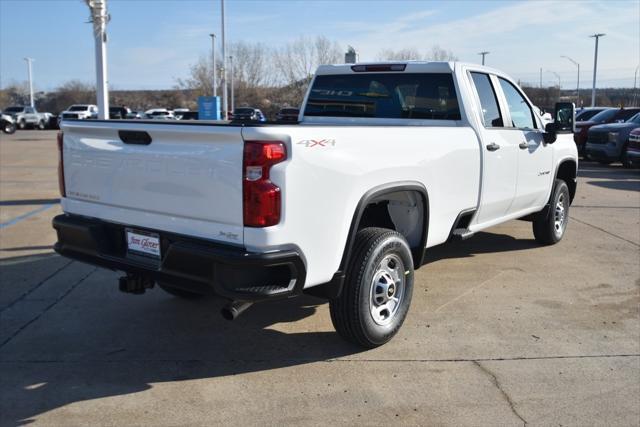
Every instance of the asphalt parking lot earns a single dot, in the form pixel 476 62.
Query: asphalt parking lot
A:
pixel 501 331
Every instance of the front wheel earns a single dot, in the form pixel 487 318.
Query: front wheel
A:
pixel 624 158
pixel 9 128
pixel 41 125
pixel 377 291
pixel 22 125
pixel 550 229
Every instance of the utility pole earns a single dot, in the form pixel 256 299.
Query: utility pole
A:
pixel 595 67
pixel 635 88
pixel 540 77
pixel 484 53
pixel 213 62
pixel 225 102
pixel 29 61
pixel 231 70
pixel 578 84
pixel 99 18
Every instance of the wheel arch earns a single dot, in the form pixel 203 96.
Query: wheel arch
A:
pixel 567 170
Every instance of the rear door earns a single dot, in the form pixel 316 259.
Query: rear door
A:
pixel 535 158
pixel 186 179
pixel 499 152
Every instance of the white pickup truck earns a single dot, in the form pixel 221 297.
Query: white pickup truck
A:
pixel 387 160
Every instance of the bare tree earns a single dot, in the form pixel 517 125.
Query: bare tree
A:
pixel 439 54
pixel 298 60
pixel 435 54
pixel 400 55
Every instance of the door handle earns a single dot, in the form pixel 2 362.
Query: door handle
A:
pixel 523 145
pixel 493 147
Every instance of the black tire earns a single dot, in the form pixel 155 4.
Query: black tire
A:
pixel 624 158
pixel 22 125
pixel 545 228
pixel 41 125
pixel 9 128
pixel 352 312
pixel 180 293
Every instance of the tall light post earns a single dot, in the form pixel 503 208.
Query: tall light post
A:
pixel 29 61
pixel 484 53
pixel 635 88
pixel 231 72
pixel 225 102
pixel 213 63
pixel 595 67
pixel 578 85
pixel 99 18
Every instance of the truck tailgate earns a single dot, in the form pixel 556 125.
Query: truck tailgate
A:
pixel 187 180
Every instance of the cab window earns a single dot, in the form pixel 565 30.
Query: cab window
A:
pixel 520 111
pixel 491 116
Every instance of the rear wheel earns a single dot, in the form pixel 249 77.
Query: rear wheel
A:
pixel 550 229
pixel 41 125
pixel 180 293
pixel 22 125
pixel 378 289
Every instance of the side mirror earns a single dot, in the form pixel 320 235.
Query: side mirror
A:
pixel 550 133
pixel 565 117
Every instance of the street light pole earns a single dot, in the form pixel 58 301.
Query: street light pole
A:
pixel 635 88
pixel 484 53
pixel 231 71
pixel 225 102
pixel 100 17
pixel 213 62
pixel 595 67
pixel 578 85
pixel 29 61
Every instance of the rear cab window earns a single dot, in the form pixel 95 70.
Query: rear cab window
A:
pixel 521 113
pixel 491 116
pixel 430 96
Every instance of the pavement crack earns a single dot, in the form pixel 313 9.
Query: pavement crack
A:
pixel 605 231
pixel 497 384
pixel 33 289
pixel 47 308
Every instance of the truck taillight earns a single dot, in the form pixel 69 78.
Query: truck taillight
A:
pixel 63 192
pixel 261 197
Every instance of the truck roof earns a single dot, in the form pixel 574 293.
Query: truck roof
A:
pixel 411 67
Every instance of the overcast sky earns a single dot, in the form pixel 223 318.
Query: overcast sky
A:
pixel 153 42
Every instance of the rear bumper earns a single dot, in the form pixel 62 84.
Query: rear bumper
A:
pixel 187 263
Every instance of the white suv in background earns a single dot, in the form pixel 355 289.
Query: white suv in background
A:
pixel 80 111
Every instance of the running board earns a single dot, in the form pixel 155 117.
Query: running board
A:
pixel 461 234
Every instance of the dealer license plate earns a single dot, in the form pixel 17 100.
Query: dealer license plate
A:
pixel 143 243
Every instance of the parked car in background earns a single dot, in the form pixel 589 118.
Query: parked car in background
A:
pixel 159 114
pixel 288 115
pixel 248 114
pixel 633 148
pixel 587 112
pixel 80 112
pixel 186 115
pixel 25 116
pixel 7 124
pixel 120 113
pixel 608 143
pixel 610 115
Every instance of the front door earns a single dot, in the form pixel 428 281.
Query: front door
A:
pixel 534 156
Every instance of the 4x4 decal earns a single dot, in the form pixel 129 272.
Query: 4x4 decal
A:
pixel 309 143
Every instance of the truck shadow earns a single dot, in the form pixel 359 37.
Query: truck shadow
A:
pixel 480 243
pixel 96 343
